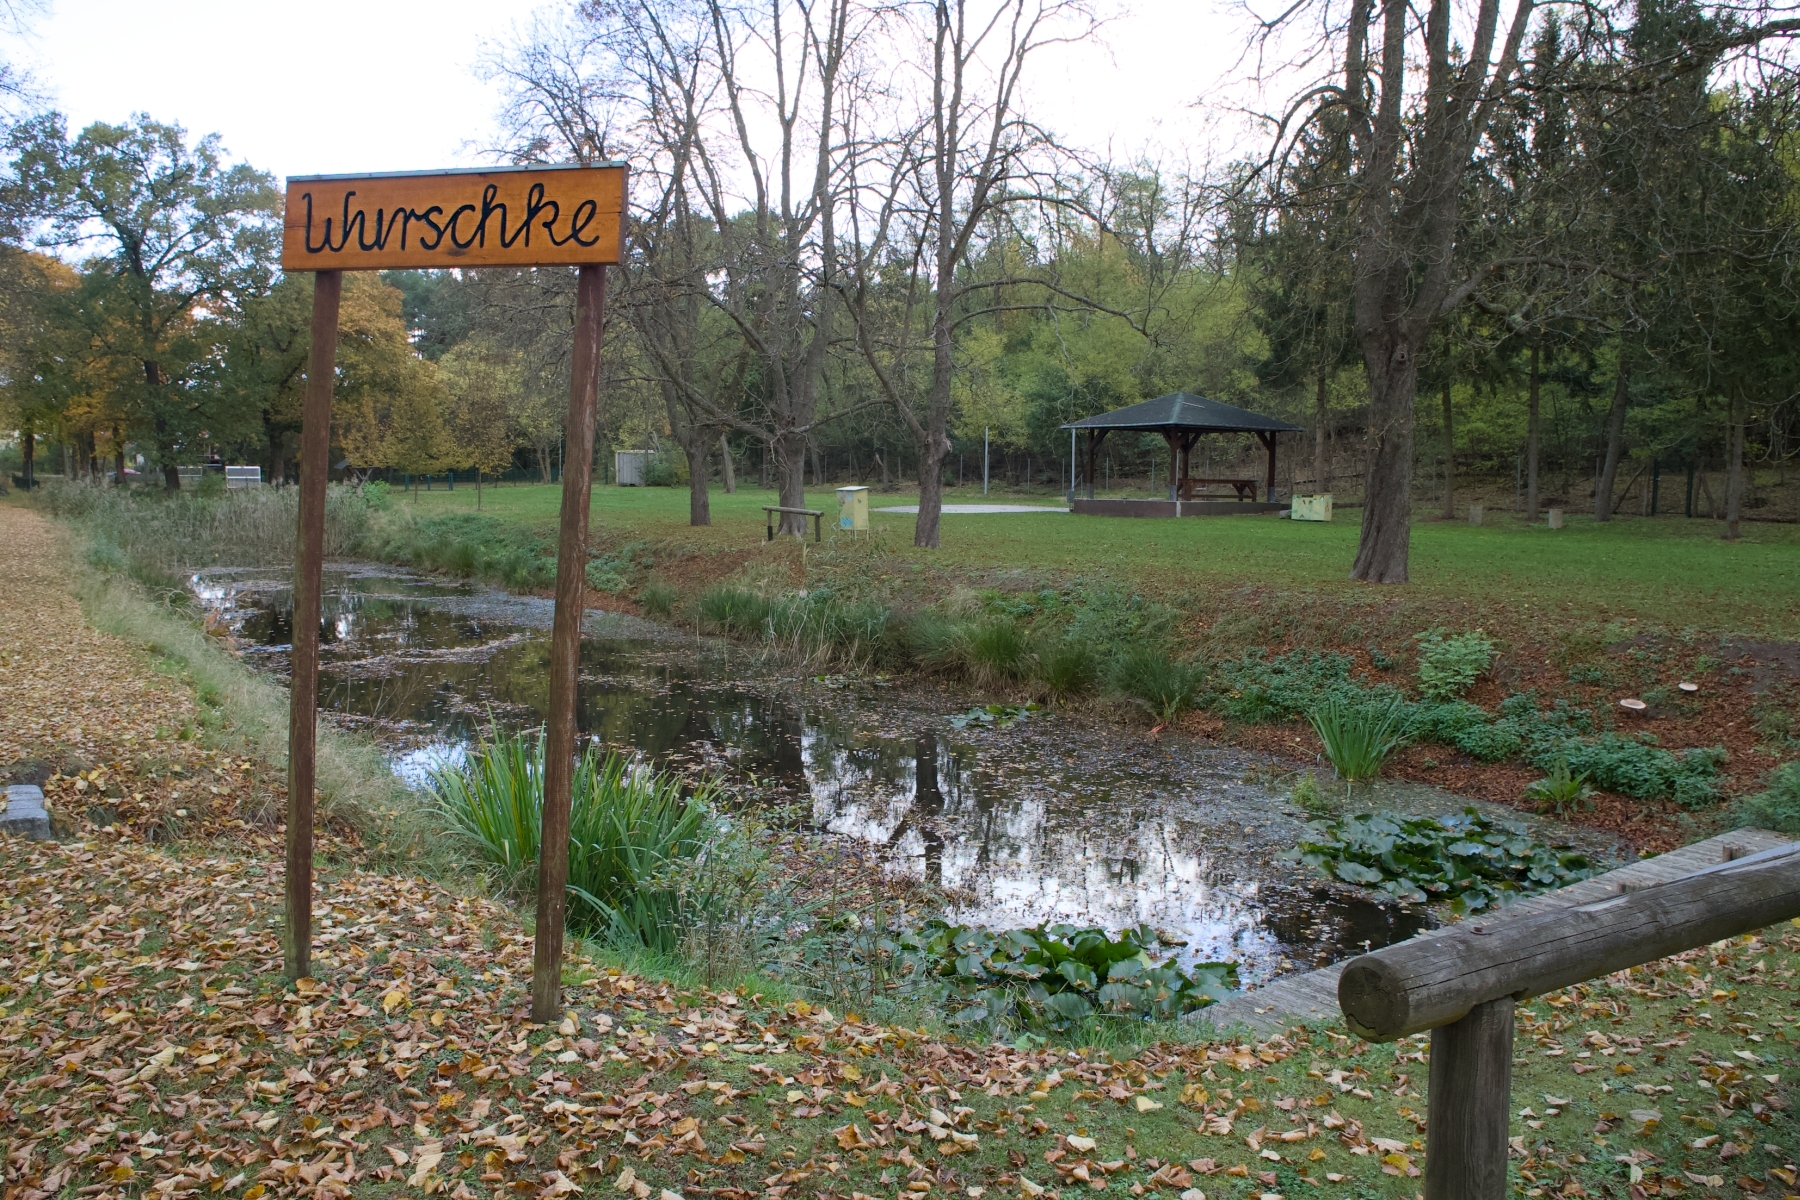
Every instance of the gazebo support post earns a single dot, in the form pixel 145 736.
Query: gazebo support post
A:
pixel 1268 439
pixel 1174 440
pixel 1094 438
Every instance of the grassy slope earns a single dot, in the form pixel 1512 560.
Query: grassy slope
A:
pixel 1669 572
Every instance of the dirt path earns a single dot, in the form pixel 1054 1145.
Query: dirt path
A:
pixel 88 715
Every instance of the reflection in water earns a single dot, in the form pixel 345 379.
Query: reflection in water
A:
pixel 1050 819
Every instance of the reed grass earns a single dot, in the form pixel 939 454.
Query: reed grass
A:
pixel 1359 734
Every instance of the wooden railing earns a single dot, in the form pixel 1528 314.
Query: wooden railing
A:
pixel 1462 986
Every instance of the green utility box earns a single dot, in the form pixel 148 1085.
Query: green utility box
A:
pixel 1312 508
pixel 853 508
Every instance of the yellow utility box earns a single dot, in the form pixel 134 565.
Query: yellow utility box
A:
pixel 853 508
pixel 1311 508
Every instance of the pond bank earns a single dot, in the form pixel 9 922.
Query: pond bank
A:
pixel 1014 819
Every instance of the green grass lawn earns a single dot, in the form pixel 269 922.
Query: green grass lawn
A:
pixel 1669 572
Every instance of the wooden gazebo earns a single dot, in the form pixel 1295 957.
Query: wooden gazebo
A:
pixel 1182 418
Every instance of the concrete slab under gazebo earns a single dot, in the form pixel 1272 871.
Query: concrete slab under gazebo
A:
pixel 1182 419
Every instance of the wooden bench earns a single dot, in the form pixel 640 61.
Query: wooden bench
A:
pixel 817 514
pixel 1245 488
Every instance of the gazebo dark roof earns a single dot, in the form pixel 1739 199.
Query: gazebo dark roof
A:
pixel 1182 410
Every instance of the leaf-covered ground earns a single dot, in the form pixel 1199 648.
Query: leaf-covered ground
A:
pixel 149 1047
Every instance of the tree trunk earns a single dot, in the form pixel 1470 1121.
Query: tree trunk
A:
pixel 1615 445
pixel 1449 458
pixel 119 457
pixel 1734 480
pixel 171 477
pixel 28 455
pixel 1381 553
pixel 725 467
pixel 1321 479
pixel 790 480
pixel 699 502
pixel 1531 438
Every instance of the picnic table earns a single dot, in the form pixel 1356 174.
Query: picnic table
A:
pixel 1245 488
pixel 817 514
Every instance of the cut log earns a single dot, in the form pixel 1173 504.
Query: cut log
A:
pixel 1422 984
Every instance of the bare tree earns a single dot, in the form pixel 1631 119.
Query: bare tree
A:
pixel 953 173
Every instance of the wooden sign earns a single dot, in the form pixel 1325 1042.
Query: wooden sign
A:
pixel 537 216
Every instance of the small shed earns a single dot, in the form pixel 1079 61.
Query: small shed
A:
pixel 1181 418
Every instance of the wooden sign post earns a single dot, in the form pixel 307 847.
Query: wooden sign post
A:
pixel 510 217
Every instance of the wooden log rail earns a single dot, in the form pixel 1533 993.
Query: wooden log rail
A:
pixel 1462 986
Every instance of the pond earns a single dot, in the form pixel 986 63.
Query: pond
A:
pixel 1053 817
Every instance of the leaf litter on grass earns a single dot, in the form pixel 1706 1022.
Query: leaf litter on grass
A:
pixel 148 1047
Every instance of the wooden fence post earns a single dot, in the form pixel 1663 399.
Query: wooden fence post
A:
pixel 1468 1098
pixel 565 647
pixel 303 690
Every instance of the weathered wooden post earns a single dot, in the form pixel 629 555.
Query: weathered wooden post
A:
pixel 435 220
pixel 565 648
pixel 1462 987
pixel 303 659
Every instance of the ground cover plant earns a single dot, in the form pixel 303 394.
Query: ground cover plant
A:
pixel 1470 862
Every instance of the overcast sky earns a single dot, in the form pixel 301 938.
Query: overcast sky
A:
pixel 363 85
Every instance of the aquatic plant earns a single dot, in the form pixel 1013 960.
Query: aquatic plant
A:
pixel 995 716
pixel 631 830
pixel 1468 860
pixel 1359 734
pixel 1054 977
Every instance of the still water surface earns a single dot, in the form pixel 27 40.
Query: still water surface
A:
pixel 1053 818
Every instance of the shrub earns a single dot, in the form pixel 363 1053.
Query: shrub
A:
pixel 1359 734
pixel 1055 977
pixel 1777 806
pixel 1449 666
pixel 1562 791
pixel 1161 683
pixel 662 471
pixel 658 597
pixel 631 830
pixel 1067 667
pixel 1470 861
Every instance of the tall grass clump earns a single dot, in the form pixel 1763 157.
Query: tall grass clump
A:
pixel 658 597
pixel 1067 667
pixel 994 652
pixel 733 611
pixel 1359 734
pixel 154 536
pixel 1151 676
pixel 633 833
